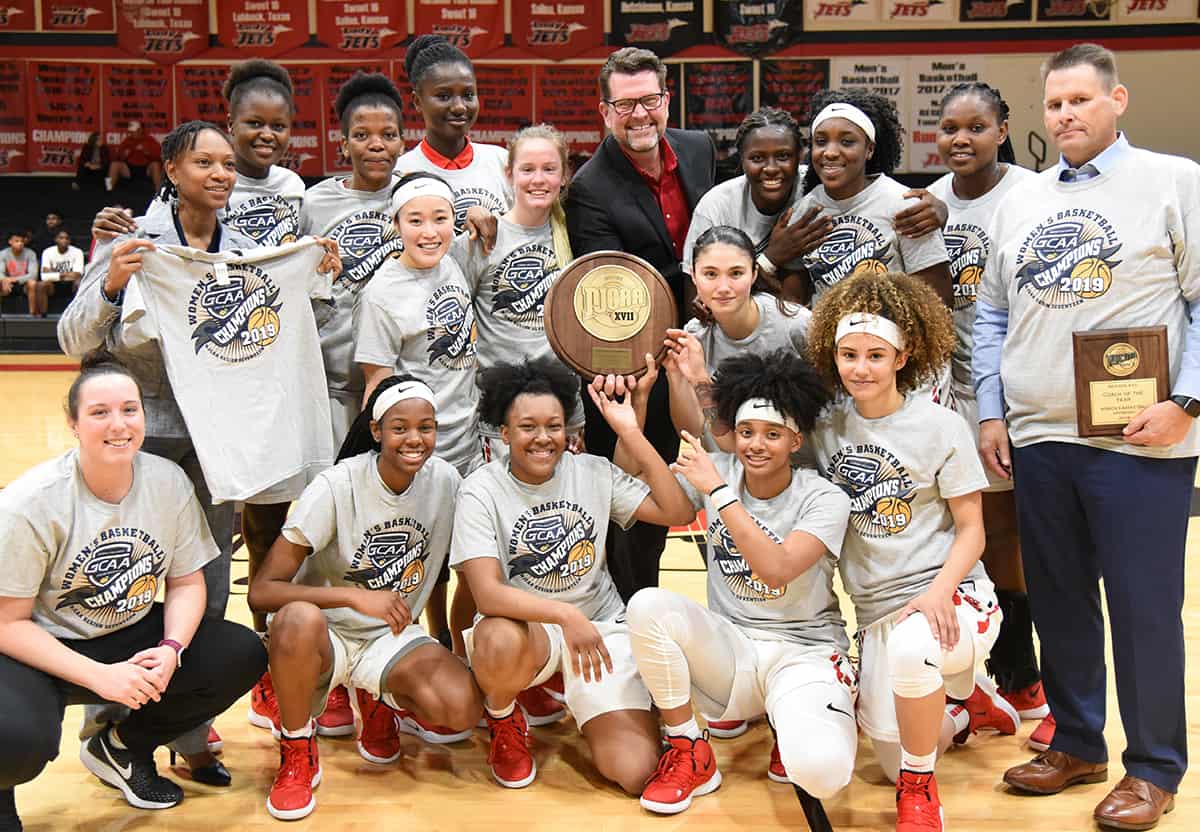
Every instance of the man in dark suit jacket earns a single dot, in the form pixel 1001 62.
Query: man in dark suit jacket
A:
pixel 636 195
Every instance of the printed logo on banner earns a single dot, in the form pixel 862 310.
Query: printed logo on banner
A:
pixel 363 39
pixel 1075 9
pixel 237 319
pixel 450 322
pixel 921 8
pixel 836 8
pixel 996 10
pixel 165 41
pixel 732 567
pixel 365 239
pixel 11 14
pixel 459 34
pixel 968 247
pixel 520 284
pixel 70 17
pixel 880 489
pixel 267 220
pixel 248 35
pixel 1068 258
pixel 9 156
pixel 749 33
pixel 657 32
pixel 114 578
pixel 553 546
pixel 552 32
pixel 391 556
pixel 855 245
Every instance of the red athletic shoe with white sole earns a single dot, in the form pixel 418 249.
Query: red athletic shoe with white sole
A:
pixel 215 743
pixel 1043 735
pixel 264 708
pixel 918 808
pixel 409 723
pixel 540 707
pixel 727 729
pixel 554 687
pixel 988 709
pixel 775 771
pixel 375 729
pixel 686 769
pixel 1030 702
pixel 337 720
pixel 291 796
pixel 509 756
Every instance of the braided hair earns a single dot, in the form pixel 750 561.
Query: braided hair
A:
pixel 768 117
pixel 889 135
pixel 990 96
pixel 367 90
pixel 259 76
pixel 428 51
pixel 178 142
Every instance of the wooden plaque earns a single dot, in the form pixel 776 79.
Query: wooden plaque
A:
pixel 1118 372
pixel 606 311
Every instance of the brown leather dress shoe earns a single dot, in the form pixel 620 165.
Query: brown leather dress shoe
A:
pixel 1052 771
pixel 1134 804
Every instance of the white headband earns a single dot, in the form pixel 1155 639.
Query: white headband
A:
pixel 422 186
pixel 849 112
pixel 403 390
pixel 766 411
pixel 875 325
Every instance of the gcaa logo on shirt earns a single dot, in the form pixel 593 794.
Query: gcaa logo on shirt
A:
pixel 267 220
pixel 467 198
pixel 553 546
pixel 880 489
pixel 854 245
pixel 451 328
pixel 520 284
pixel 732 567
pixel 365 239
pixel 968 247
pixel 391 556
pixel 236 317
pixel 113 579
pixel 1068 258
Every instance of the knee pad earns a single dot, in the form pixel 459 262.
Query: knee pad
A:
pixel 821 771
pixel 914 658
pixel 648 609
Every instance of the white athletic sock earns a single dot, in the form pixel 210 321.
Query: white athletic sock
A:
pixel 301 734
pixel 687 729
pixel 502 713
pixel 115 740
pixel 958 715
pixel 919 763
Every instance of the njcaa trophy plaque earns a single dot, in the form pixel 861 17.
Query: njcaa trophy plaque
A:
pixel 606 311
pixel 1118 372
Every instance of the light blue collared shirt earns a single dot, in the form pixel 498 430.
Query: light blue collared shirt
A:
pixel 1103 163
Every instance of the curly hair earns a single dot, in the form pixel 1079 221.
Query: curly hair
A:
pixel 367 90
pixel 768 117
pixel 889 135
pixel 359 438
pixel 428 51
pixel 257 75
pixel 500 385
pixel 783 378
pixel 907 301
pixel 991 97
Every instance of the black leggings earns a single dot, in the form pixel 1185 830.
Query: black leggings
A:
pixel 223 661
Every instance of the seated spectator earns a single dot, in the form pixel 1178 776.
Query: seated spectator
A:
pixel 45 237
pixel 91 170
pixel 61 263
pixel 19 265
pixel 138 156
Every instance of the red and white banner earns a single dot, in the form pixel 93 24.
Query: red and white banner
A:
pixel 474 26
pixel 505 101
pixel 17 16
pixel 198 93
pixel 268 27
pixel 330 80
pixel 164 31
pixel 77 15
pixel 136 92
pixel 558 30
pixel 64 107
pixel 363 28
pixel 13 136
pixel 304 150
pixel 562 100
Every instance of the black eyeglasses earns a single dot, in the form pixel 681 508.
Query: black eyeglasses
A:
pixel 625 106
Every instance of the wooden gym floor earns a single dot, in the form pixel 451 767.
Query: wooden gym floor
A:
pixel 433 788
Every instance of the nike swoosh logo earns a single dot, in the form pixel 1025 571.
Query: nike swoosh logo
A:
pixel 931 664
pixel 829 706
pixel 126 771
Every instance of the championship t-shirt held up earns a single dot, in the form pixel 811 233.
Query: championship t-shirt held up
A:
pixel 549 538
pixel 240 347
pixel 95 567
pixel 364 535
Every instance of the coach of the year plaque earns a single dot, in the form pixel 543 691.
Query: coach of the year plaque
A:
pixel 606 311
pixel 1118 373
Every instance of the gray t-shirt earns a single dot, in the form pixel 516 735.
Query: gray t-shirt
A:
pixel 480 183
pixel 804 611
pixel 361 224
pixel 730 203
pixel 968 244
pixel 420 321
pixel 364 535
pixel 267 210
pixel 550 538
pixel 777 329
pixel 23 265
pixel 899 471
pixel 95 567
pixel 863 236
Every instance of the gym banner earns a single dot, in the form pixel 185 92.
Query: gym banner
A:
pixel 304 150
pixel 719 95
pixel 1156 11
pixel 933 77
pixel 1074 11
pixel 330 78
pixel 984 11
pixel 474 26
pixel 790 85
pixel 17 16
pixel 268 27
pixel 64 107
pixel 13 138
pixel 918 11
pixel 505 101
pixel 662 26
pixel 758 27
pixel 164 31
pixel 887 77
pixel 77 15
pixel 674 85
pixel 562 100
pixel 364 28
pixel 557 30
pixel 198 93
pixel 136 92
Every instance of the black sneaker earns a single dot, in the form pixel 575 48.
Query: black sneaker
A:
pixel 9 820
pixel 136 777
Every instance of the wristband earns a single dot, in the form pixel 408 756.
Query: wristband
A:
pixel 722 496
pixel 765 264
pixel 177 647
